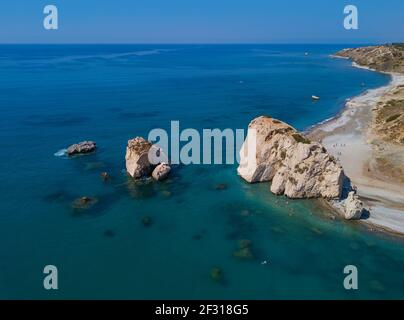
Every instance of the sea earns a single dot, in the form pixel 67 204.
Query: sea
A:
pixel 181 238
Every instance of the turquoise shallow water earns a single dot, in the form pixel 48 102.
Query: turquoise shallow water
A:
pixel 53 96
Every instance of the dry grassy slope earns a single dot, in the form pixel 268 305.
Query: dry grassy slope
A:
pixel 387 127
pixel 388 121
pixel 388 58
pixel 389 117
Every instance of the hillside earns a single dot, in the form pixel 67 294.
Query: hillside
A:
pixel 386 58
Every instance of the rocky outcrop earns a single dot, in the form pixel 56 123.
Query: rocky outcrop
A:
pixel 387 58
pixel 137 158
pixel 353 208
pixel 161 172
pixel 81 148
pixel 298 168
pixel 144 159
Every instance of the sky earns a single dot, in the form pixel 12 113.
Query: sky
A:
pixel 201 21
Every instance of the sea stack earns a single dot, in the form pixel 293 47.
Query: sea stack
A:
pixel 137 158
pixel 298 168
pixel 353 207
pixel 144 159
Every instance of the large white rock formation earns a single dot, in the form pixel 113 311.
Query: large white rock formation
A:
pixel 276 152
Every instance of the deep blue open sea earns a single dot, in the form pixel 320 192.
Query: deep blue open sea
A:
pixel 53 96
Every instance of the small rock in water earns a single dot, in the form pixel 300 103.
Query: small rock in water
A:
pixel 161 172
pixel 221 186
pixel 216 274
pixel 81 148
pixel 105 176
pixel 244 251
pixel 147 221
pixel 84 203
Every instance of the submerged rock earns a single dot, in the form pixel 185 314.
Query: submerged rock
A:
pixel 245 243
pixel 81 148
pixel 216 274
pixel 84 203
pixel 221 186
pixel 353 207
pixel 147 221
pixel 161 172
pixel 298 168
pixel 244 250
pixel 244 253
pixel 94 165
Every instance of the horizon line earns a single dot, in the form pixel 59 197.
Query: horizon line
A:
pixel 197 43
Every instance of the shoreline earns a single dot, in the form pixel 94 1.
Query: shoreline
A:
pixel 349 138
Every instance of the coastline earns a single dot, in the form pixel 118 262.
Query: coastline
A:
pixel 349 138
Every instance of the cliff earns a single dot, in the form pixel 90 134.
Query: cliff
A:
pixel 297 167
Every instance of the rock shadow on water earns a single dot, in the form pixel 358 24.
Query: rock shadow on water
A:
pixel 141 189
pixel 60 196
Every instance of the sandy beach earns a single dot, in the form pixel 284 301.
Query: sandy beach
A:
pixel 350 138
